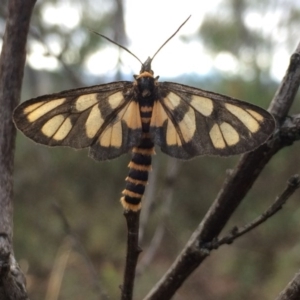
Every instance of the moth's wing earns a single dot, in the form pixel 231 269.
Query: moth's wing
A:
pixel 105 118
pixel 187 122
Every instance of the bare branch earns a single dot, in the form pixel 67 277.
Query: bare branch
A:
pixel 12 63
pixel 292 185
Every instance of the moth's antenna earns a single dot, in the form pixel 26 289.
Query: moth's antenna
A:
pixel 170 37
pixel 105 37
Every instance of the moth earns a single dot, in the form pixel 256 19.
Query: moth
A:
pixel 115 118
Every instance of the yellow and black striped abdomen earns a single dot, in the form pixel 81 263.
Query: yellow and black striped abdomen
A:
pixel 137 179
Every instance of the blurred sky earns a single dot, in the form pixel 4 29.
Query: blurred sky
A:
pixel 148 24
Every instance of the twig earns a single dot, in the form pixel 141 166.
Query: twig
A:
pixel 77 245
pixel 292 185
pixel 133 251
pixel 288 88
pixel 241 179
pixel 76 80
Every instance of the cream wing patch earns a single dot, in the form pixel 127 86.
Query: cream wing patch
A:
pixel 42 109
pixel 93 122
pixel 203 105
pixel 112 136
pixel 114 100
pixel 172 100
pixel 230 135
pixel 255 114
pixel 245 117
pixel 188 125
pixel 85 101
pixel 51 126
pixel 64 130
pixel 217 137
pixel 57 127
pixel 223 135
pixel 32 107
pixel 172 135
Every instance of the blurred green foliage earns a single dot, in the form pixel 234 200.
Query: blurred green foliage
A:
pixel 257 266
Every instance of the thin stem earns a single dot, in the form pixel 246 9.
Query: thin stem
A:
pixel 292 186
pixel 133 251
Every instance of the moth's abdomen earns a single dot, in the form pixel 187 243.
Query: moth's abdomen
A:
pixel 137 179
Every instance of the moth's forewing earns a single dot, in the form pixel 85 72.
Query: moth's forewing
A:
pixel 188 122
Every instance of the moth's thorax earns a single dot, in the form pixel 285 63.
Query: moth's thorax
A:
pixel 145 83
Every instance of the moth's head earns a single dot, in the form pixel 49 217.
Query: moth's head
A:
pixel 146 72
pixel 146 66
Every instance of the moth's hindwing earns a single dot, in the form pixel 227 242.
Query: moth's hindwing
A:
pixel 187 122
pixel 105 118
